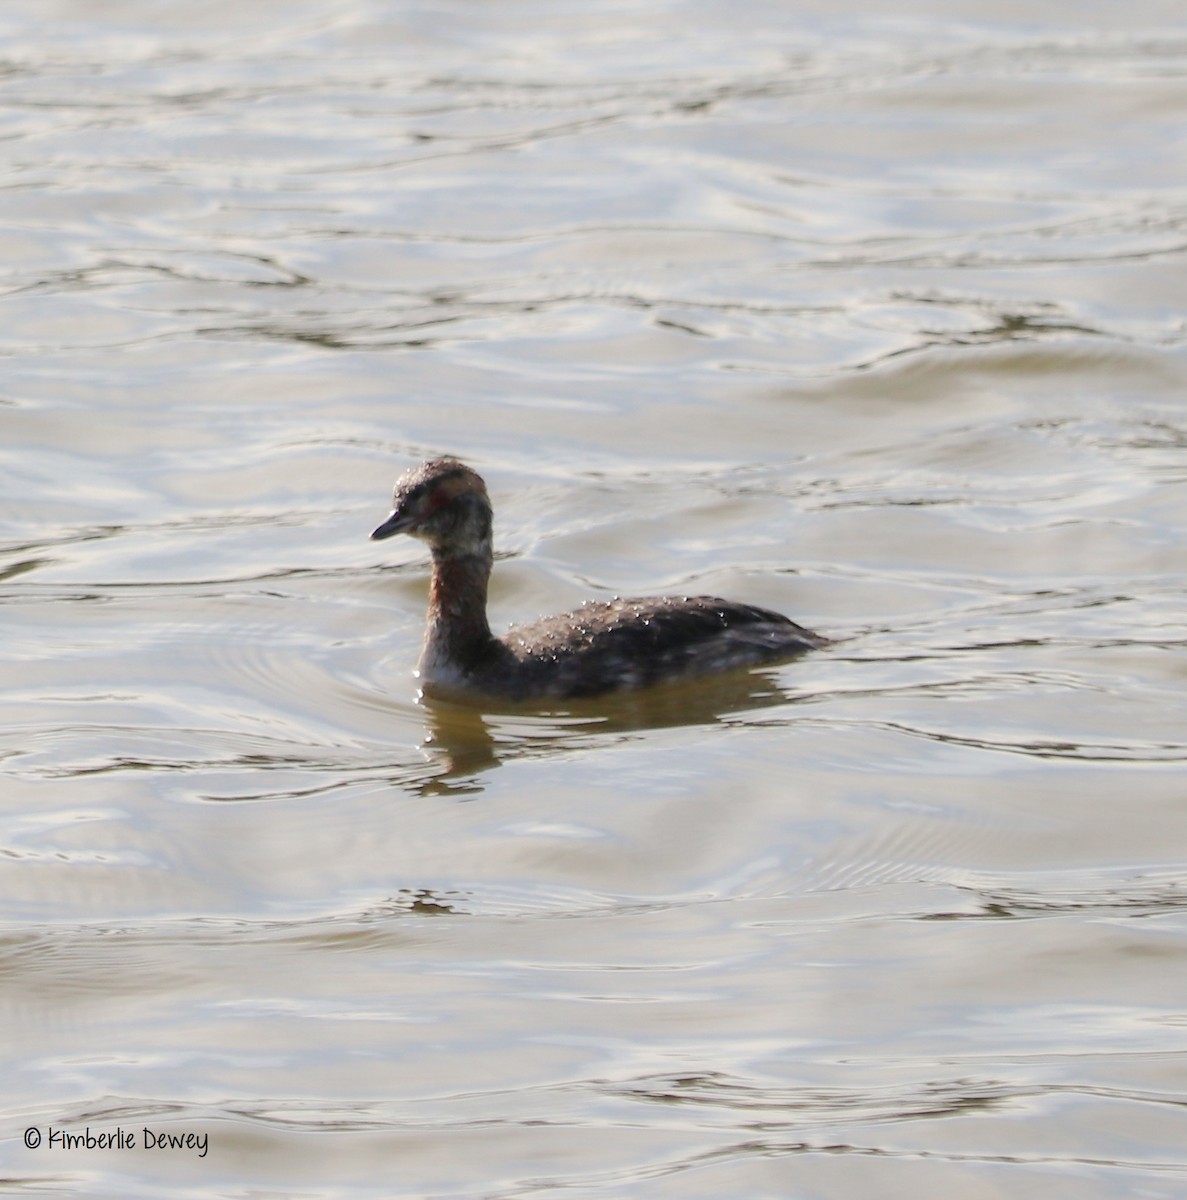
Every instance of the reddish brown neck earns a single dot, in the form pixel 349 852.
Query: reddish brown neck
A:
pixel 457 628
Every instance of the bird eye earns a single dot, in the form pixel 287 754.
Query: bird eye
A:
pixel 437 498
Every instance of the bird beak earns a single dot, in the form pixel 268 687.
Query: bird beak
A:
pixel 395 523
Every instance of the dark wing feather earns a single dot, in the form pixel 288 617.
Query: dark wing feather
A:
pixel 632 643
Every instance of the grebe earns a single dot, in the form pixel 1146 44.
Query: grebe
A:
pixel 600 647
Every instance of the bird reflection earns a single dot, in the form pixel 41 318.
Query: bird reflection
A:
pixel 465 740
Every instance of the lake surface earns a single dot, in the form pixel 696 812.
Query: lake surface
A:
pixel 873 317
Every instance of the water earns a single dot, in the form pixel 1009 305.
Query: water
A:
pixel 873 318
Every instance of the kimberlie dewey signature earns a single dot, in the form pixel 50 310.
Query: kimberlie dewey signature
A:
pixel 117 1139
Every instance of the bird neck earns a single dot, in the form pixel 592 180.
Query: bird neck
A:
pixel 458 633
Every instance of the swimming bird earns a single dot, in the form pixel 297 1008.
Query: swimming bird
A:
pixel 601 647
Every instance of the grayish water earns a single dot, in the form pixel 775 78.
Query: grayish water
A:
pixel 872 316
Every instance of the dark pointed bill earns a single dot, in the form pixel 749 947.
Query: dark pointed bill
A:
pixel 395 523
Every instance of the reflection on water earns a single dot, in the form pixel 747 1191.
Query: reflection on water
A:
pixel 873 319
pixel 467 738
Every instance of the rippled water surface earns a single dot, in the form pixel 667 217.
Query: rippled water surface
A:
pixel 872 315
